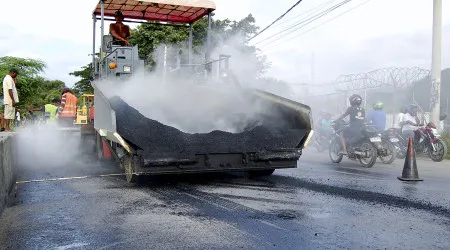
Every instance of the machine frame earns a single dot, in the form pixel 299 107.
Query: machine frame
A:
pixel 110 144
pixel 182 13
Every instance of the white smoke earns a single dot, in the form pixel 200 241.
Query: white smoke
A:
pixel 192 106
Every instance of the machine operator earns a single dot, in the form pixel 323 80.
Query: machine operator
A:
pixel 119 31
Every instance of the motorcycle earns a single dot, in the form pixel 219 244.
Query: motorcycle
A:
pixel 365 149
pixel 426 141
pixel 394 136
pixel 389 151
pixel 321 141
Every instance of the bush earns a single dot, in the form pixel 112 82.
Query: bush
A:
pixel 446 138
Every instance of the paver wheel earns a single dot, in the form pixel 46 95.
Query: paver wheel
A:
pixel 129 164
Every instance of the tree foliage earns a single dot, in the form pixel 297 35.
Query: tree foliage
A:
pixel 33 89
pixel 84 84
pixel 148 36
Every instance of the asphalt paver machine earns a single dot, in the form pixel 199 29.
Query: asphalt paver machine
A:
pixel 146 147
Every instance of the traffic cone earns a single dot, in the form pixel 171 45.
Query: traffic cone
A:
pixel 410 172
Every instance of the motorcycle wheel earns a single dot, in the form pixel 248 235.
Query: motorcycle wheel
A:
pixel 335 148
pixel 368 162
pixel 390 157
pixel 441 151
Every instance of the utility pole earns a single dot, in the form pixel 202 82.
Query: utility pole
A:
pixel 436 62
pixel 313 75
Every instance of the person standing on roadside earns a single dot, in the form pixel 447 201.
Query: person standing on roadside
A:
pixel 18 118
pixel 10 97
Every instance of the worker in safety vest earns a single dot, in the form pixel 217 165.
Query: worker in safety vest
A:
pixel 67 111
pixel 49 111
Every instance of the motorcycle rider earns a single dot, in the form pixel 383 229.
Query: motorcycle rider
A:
pixel 326 126
pixel 377 117
pixel 399 121
pixel 410 122
pixel 357 116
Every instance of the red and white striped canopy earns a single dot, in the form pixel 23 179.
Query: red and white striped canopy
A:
pixel 173 11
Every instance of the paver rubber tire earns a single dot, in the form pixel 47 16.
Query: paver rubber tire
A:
pixel 259 173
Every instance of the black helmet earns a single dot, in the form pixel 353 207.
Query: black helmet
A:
pixel 355 100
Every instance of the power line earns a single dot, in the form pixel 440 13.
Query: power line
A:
pixel 313 85
pixel 304 13
pixel 278 19
pixel 343 13
pixel 307 21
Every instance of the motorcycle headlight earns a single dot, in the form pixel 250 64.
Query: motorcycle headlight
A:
pixel 127 69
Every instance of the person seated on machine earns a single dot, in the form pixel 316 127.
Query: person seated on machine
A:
pixel 119 31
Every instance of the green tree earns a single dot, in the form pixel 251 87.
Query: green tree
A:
pixel 148 36
pixel 34 90
pixel 29 80
pixel 51 89
pixel 84 84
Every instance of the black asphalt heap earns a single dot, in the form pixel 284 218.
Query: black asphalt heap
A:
pixel 158 140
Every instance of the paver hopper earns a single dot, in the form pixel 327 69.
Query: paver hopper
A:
pixel 144 146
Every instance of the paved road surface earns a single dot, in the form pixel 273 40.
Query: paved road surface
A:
pixel 316 206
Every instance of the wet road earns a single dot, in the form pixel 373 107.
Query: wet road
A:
pixel 316 206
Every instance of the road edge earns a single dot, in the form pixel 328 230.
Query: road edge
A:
pixel 8 156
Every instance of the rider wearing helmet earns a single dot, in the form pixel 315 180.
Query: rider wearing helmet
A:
pixel 378 116
pixel 410 121
pixel 357 115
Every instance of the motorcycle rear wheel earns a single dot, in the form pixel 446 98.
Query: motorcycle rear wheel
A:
pixel 372 159
pixel 390 157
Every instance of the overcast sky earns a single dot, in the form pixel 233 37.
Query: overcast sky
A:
pixel 379 33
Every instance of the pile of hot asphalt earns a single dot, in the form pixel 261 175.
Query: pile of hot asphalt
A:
pixel 157 140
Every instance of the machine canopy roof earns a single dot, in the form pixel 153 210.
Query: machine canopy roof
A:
pixel 174 11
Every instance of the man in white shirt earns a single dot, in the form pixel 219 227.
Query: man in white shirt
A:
pixel 399 121
pixel 410 122
pixel 10 97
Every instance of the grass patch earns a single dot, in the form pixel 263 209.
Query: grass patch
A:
pixel 446 138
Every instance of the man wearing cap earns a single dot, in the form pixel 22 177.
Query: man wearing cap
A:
pixel 119 31
pixel 10 97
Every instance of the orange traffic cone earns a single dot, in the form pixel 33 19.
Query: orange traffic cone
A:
pixel 410 172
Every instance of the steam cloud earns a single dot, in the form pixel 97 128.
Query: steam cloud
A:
pixel 195 107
